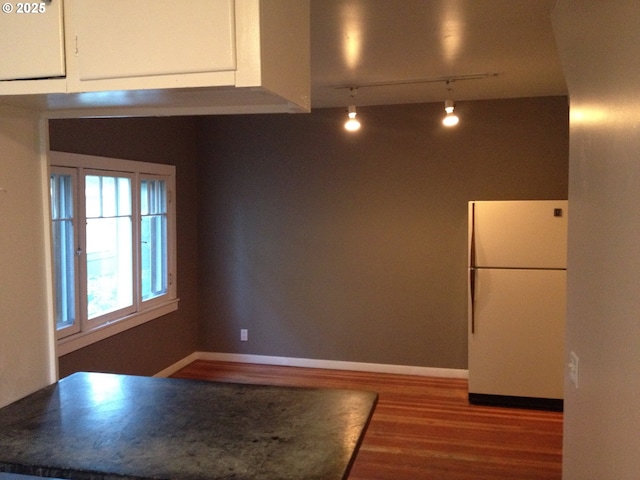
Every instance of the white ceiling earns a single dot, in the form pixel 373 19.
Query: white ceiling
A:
pixel 509 43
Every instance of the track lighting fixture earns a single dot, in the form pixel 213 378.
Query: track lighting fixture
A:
pixel 352 124
pixel 450 118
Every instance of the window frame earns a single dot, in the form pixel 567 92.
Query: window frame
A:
pixel 171 253
pixel 74 328
pixel 99 328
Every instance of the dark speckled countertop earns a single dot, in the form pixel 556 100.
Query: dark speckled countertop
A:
pixel 95 426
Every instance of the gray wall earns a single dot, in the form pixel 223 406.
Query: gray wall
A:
pixel 151 347
pixel 333 246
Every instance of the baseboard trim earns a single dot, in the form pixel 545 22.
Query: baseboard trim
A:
pixel 315 363
pixel 170 370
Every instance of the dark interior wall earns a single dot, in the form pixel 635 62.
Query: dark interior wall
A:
pixel 325 245
pixel 338 246
pixel 151 347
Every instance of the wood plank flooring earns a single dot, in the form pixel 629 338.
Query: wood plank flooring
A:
pixel 424 428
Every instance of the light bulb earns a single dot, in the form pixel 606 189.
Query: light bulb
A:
pixel 352 124
pixel 451 118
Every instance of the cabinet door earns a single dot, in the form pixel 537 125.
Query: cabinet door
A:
pixel 123 39
pixel 31 40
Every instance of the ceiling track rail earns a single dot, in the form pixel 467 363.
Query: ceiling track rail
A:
pixel 417 81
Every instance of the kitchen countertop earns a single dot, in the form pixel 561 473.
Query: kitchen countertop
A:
pixel 95 426
pixel 17 476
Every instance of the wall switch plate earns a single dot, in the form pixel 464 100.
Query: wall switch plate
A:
pixel 574 361
pixel 244 335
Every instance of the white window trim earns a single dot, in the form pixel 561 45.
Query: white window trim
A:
pixel 149 310
pixel 84 339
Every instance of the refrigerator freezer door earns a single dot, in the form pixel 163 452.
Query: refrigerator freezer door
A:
pixel 518 344
pixel 519 234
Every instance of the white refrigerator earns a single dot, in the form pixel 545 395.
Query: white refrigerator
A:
pixel 517 290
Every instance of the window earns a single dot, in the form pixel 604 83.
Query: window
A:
pixel 64 249
pixel 153 237
pixel 113 236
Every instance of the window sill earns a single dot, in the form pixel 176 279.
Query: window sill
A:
pixel 83 339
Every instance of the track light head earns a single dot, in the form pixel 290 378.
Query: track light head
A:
pixel 450 118
pixel 352 124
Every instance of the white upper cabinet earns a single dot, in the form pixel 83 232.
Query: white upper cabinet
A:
pixel 125 38
pixel 157 57
pixel 31 40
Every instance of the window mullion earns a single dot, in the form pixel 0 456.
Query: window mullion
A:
pixel 137 261
pixel 172 262
pixel 81 283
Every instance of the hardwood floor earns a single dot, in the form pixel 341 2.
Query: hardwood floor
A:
pixel 424 428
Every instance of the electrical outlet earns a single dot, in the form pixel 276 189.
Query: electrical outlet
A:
pixel 244 335
pixel 574 361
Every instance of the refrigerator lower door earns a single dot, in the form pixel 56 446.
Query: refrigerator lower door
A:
pixel 517 346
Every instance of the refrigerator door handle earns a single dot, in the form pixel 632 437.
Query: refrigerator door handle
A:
pixel 472 270
pixel 472 289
